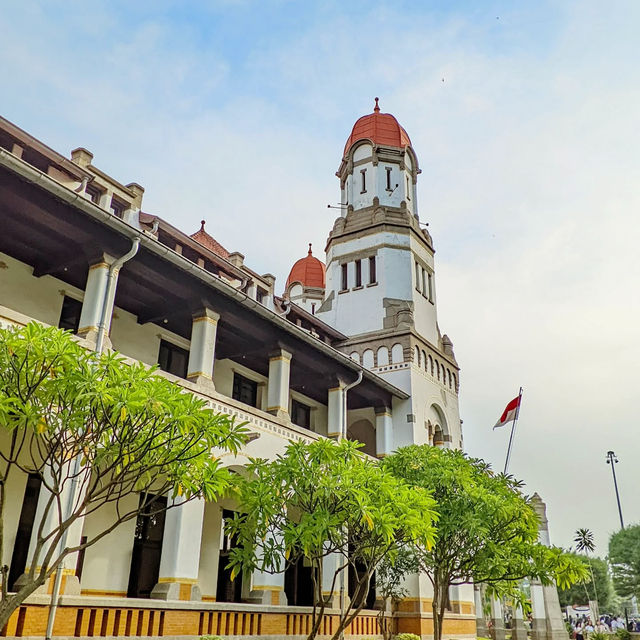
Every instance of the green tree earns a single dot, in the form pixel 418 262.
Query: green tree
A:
pixel 323 499
pixel 487 530
pixel 598 581
pixel 390 577
pixel 585 544
pixel 96 430
pixel 624 556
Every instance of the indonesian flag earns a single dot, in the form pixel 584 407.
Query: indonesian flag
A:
pixel 510 413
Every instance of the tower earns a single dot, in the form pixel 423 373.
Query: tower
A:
pixel 306 282
pixel 380 282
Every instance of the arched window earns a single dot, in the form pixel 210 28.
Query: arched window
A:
pixel 367 359
pixel 430 365
pixel 449 378
pixel 397 353
pixel 416 356
pixel 355 356
pixel 455 382
pixel 424 359
pixel 383 356
pixel 438 369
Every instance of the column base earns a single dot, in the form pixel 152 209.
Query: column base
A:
pixel 184 591
pixel 539 629
pixel 268 597
pixel 481 628
pixel 332 600
pixel 91 335
pixel 199 379
pixel 279 413
pixel 497 630
pixel 69 585
pixel 518 630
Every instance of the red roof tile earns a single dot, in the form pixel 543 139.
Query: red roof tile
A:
pixel 309 271
pixel 380 128
pixel 209 242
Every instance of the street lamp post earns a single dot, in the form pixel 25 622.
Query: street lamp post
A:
pixel 612 460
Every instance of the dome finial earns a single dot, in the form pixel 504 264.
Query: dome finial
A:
pixel 309 248
pixel 376 109
pixel 202 223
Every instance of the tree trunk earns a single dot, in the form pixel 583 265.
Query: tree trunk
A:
pixel 9 604
pixel 384 621
pixel 438 606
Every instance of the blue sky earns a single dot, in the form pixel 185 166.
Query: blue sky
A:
pixel 237 112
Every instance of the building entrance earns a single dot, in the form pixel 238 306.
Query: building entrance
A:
pixel 147 548
pixel 25 528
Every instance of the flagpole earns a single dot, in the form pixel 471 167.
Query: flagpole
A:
pixel 513 429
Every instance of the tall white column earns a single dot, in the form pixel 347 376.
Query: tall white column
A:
pixel 180 559
pixel 340 589
pixel 384 431
pixel 278 386
pixel 518 630
pixel 203 346
pixel 497 619
pixel 94 294
pixel 267 588
pixel 56 514
pixel 336 426
pixel 544 599
pixel 481 621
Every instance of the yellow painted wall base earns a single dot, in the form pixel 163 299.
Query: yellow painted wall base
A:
pixel 119 620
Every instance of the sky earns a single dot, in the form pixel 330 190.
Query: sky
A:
pixel 524 116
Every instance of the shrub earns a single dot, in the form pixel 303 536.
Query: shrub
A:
pixel 407 636
pixel 623 634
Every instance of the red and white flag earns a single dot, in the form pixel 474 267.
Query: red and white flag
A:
pixel 510 413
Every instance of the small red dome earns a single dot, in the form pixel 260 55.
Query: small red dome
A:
pixel 380 128
pixel 308 271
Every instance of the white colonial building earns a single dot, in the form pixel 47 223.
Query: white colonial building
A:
pixel 217 328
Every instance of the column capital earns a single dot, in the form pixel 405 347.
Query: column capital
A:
pixel 279 353
pixel 205 314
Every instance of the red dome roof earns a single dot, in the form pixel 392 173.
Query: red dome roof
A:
pixel 309 271
pixel 380 128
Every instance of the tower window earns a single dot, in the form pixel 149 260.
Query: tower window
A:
pixel 417 277
pixel 430 285
pixel 408 192
pixel 363 174
pixel 70 314
pixel 424 283
pixel 388 178
pixel 344 285
pixel 358 273
pixel 372 270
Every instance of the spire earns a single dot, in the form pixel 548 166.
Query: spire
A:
pixel 202 223
pixel 376 109
pixel 309 250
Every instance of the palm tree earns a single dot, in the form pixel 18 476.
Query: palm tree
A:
pixel 585 544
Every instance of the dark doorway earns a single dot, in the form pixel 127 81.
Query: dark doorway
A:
pixel 298 583
pixel 355 574
pixel 147 547
pixel 228 590
pixel 25 527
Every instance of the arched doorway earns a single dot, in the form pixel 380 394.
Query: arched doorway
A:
pixel 363 431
